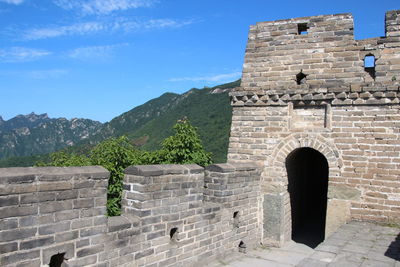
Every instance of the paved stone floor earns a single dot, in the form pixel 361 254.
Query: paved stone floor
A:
pixel 354 244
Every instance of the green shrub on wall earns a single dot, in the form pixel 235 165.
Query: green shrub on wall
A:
pixel 116 154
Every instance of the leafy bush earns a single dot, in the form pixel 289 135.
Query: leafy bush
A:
pixel 116 154
pixel 184 147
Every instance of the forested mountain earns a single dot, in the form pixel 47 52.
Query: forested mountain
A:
pixel 146 125
pixel 32 134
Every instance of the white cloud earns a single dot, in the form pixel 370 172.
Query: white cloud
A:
pixel 130 25
pixel 56 31
pixel 14 2
pixel 119 24
pixel 21 54
pixel 94 52
pixel 211 78
pixel 101 7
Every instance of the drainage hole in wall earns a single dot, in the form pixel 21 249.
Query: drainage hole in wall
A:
pixel 242 247
pixel 301 78
pixel 173 233
pixel 56 260
pixel 235 214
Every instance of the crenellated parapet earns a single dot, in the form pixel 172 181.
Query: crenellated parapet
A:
pixel 320 53
pixel 54 214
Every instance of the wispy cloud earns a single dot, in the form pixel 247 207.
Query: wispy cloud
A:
pixel 13 2
pixel 135 25
pixel 36 74
pixel 56 31
pixel 94 52
pixel 21 54
pixel 211 78
pixel 87 28
pixel 101 7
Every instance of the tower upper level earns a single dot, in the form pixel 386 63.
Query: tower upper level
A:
pixel 319 55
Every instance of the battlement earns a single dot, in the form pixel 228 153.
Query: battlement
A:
pixel 318 28
pixel 173 215
pixel 313 55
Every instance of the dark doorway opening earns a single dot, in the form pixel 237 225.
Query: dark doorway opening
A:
pixel 308 172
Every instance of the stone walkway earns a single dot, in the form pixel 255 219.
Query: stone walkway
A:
pixel 354 244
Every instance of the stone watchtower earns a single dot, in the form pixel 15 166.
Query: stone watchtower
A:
pixel 319 111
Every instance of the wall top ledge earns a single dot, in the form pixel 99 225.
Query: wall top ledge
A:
pixel 231 167
pixel 31 174
pixel 158 170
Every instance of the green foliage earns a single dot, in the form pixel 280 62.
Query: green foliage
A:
pixel 116 154
pixel 64 159
pixel 184 147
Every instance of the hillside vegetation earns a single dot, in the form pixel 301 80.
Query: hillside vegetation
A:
pixel 208 110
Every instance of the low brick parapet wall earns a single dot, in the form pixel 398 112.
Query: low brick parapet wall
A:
pixel 45 211
pixel 168 218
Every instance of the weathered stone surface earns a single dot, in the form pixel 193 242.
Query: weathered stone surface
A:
pixel 343 192
pixel 337 214
pixel 273 207
pixel 118 223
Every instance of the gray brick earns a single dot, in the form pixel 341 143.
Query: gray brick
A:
pixel 8 201
pixel 66 236
pixel 6 224
pixel 8 247
pixel 93 231
pixel 28 221
pixel 144 253
pixel 17 234
pixel 89 251
pixel 151 236
pixel 37 243
pixel 83 203
pixel 18 257
pixel 8 212
pixel 55 206
pixel 54 228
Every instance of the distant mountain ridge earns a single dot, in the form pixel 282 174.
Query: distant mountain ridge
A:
pixel 146 125
pixel 33 134
pixel 149 124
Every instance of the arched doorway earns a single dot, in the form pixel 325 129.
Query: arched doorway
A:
pixel 308 172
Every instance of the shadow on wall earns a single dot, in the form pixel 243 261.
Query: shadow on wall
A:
pixel 393 250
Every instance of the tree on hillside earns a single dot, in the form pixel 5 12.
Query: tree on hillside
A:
pixel 116 154
pixel 184 147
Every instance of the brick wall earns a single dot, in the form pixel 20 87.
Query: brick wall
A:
pixel 304 84
pixel 45 211
pixel 173 215
pixel 328 55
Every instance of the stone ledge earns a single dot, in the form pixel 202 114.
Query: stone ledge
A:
pixel 223 167
pixel 232 167
pixel 340 97
pixel 18 175
pixel 343 192
pixel 165 169
pixel 123 222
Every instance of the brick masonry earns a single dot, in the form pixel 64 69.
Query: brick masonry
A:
pixel 304 84
pixel 173 215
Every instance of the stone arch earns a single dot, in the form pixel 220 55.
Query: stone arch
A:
pixel 277 210
pixel 294 141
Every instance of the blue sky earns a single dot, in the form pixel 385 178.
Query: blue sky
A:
pixel 99 58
